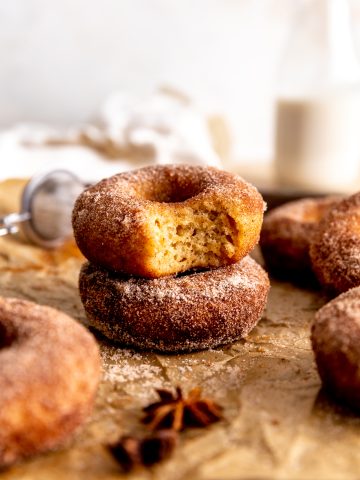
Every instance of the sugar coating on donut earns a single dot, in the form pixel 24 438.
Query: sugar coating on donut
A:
pixel 167 219
pixel 179 313
pixel 336 343
pixel 335 246
pixel 286 234
pixel 49 372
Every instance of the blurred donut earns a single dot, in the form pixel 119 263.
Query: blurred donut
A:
pixel 286 234
pixel 335 246
pixel 336 343
pixel 49 371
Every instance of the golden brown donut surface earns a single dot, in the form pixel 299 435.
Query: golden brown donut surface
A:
pixel 166 219
pixel 286 234
pixel 179 313
pixel 335 246
pixel 49 371
pixel 336 344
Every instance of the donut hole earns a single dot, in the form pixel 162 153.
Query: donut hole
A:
pixel 197 239
pixel 7 336
pixel 171 189
pixel 314 212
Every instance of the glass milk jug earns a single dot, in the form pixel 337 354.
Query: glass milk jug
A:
pixel 317 144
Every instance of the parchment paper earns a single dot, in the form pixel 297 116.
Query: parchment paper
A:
pixel 278 423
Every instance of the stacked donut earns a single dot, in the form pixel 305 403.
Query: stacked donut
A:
pixel 321 238
pixel 167 247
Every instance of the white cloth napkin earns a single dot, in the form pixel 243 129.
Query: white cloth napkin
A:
pixel 129 132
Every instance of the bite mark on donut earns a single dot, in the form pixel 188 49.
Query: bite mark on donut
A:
pixel 159 221
pixel 198 238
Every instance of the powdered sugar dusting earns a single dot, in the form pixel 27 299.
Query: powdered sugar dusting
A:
pixel 134 372
pixel 211 284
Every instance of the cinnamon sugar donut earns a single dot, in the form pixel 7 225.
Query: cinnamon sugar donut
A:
pixel 49 371
pixel 286 234
pixel 176 314
pixel 166 219
pixel 336 343
pixel 335 247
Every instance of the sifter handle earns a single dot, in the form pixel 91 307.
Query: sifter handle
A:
pixel 9 224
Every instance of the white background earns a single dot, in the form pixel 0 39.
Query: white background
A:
pixel 60 59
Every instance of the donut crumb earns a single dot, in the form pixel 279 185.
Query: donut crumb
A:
pixel 198 238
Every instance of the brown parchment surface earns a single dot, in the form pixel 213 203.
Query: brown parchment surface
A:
pixel 278 423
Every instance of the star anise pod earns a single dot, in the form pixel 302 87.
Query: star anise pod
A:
pixel 174 411
pixel 132 452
